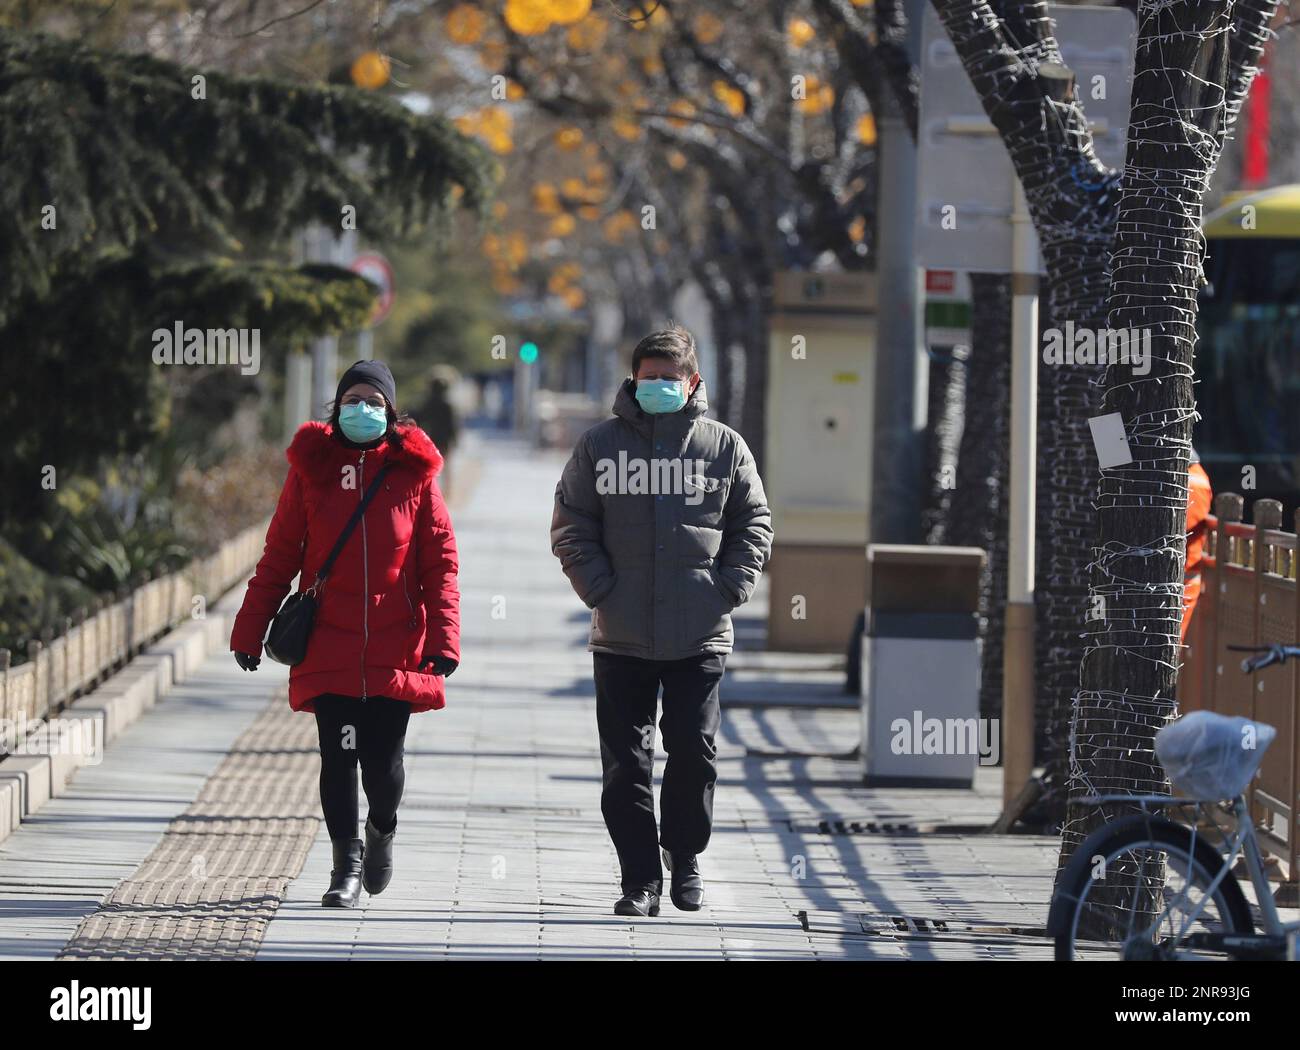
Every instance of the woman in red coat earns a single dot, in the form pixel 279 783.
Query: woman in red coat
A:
pixel 387 627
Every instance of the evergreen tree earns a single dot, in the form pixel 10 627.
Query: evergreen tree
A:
pixel 132 194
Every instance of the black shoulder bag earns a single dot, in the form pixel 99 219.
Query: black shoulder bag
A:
pixel 286 641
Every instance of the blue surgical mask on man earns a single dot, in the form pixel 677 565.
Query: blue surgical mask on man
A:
pixel 657 396
pixel 363 423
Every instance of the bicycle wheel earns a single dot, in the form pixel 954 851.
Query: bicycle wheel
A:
pixel 1138 889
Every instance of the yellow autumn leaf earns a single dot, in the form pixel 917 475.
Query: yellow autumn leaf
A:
pixel 684 109
pixel 370 71
pixel 465 24
pixel 566 12
pixel 732 98
pixel 496 120
pixel 708 28
pixel 516 248
pixel 568 138
pixel 800 32
pixel 626 127
pixel 618 225
pixel 545 199
pixel 528 17
pixel 818 96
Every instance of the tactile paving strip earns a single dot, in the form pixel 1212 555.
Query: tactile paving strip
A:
pixel 214 881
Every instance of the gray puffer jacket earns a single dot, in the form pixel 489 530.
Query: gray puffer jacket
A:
pixel 662 527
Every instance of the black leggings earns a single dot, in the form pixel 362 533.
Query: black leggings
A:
pixel 374 731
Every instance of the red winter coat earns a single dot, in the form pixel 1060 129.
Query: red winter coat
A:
pixel 391 599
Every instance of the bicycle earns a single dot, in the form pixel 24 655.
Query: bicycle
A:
pixel 1185 902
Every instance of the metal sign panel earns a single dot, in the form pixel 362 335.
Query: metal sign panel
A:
pixel 965 173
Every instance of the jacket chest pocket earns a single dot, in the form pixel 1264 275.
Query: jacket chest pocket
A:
pixel 704 499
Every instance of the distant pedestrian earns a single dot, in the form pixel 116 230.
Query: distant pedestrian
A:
pixel 662 528
pixel 387 628
pixel 438 414
pixel 441 418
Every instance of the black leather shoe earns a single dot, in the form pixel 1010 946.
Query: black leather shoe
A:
pixel 377 864
pixel 345 876
pixel 643 901
pixel 687 890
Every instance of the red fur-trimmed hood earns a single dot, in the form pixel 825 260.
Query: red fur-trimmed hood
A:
pixel 319 455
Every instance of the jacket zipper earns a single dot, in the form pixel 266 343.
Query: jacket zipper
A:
pixel 365 582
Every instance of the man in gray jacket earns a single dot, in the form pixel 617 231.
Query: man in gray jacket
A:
pixel 662 527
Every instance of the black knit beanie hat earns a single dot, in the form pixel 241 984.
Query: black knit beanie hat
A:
pixel 375 373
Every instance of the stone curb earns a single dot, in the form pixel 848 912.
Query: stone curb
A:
pixel 29 781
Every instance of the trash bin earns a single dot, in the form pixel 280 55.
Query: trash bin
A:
pixel 921 667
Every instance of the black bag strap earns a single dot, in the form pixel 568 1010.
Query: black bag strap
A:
pixel 328 564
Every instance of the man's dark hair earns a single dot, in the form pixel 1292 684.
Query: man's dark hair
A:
pixel 674 343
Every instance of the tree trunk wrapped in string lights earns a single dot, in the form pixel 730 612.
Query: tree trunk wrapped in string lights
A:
pixel 1194 65
pixel 1072 199
pixel 978 509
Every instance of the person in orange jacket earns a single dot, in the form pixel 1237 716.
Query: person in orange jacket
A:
pixel 1199 499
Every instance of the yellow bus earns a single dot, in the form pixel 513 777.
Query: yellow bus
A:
pixel 1248 357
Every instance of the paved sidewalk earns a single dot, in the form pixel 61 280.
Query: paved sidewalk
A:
pixel 501 851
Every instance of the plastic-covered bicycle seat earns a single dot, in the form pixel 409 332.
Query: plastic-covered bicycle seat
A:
pixel 1210 756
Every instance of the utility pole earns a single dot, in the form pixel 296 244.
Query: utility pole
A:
pixel 1018 635
pixel 902 376
pixel 321 247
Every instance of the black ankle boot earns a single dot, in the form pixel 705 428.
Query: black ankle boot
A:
pixel 345 876
pixel 377 866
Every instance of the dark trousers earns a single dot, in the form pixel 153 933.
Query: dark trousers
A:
pixel 627 690
pixel 374 732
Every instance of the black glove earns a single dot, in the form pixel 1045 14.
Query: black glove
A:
pixel 247 661
pixel 443 665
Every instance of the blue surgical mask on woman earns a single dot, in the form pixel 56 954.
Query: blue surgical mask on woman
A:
pixel 363 423
pixel 661 395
